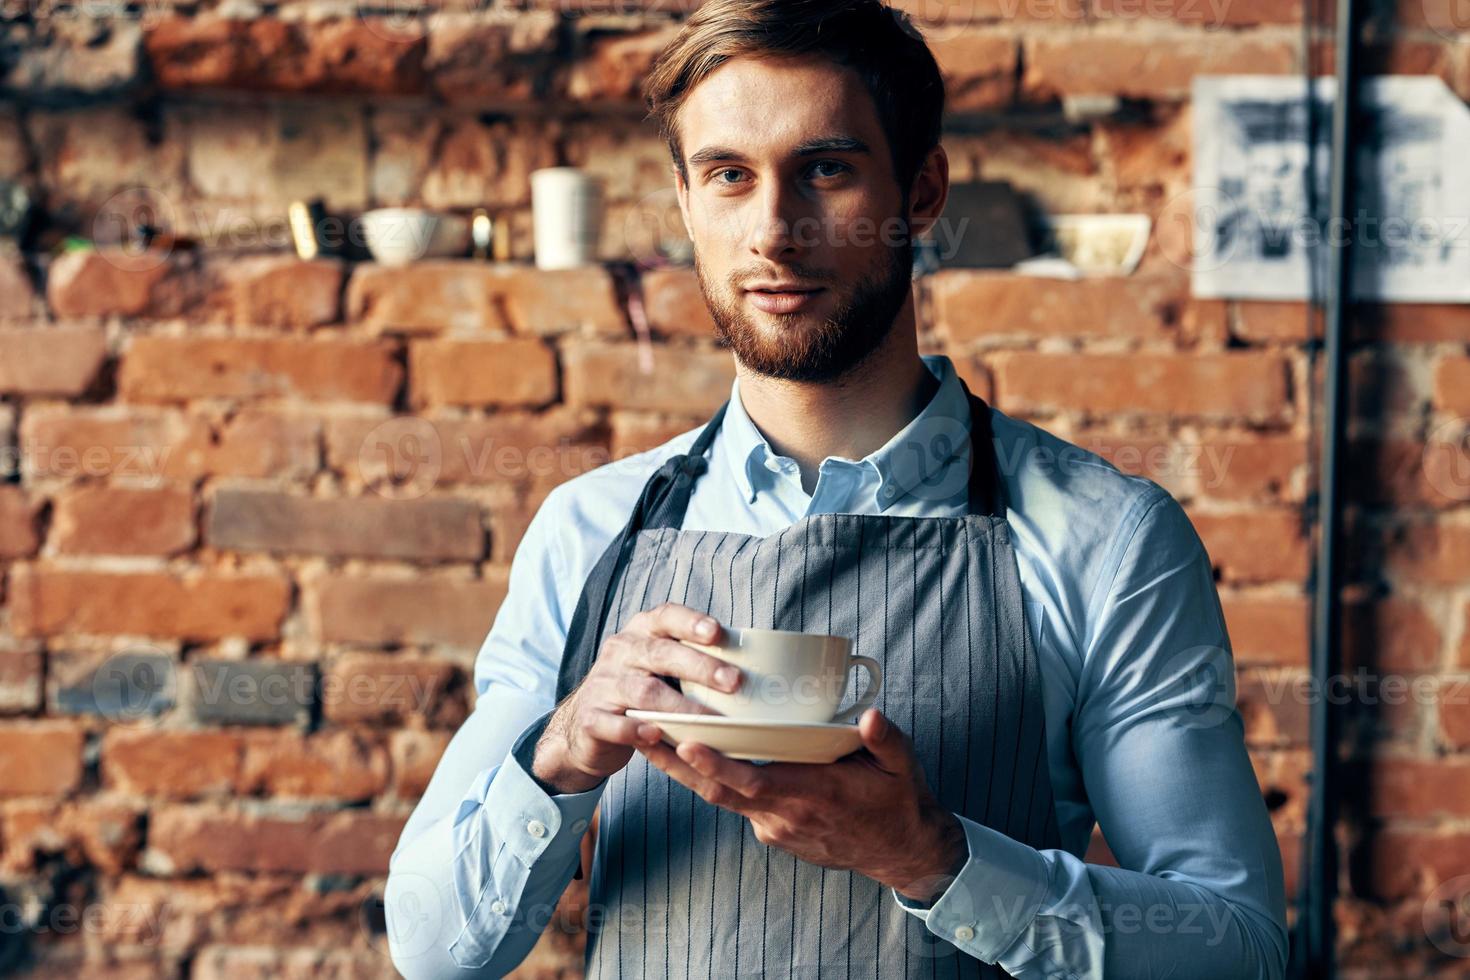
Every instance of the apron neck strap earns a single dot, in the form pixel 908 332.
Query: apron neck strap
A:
pixel 987 489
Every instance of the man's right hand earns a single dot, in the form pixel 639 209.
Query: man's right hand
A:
pixel 589 736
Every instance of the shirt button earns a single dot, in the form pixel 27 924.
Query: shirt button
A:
pixel 888 491
pixel 964 934
pixel 498 907
pixel 536 829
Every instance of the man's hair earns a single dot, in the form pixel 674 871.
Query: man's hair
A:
pixel 879 43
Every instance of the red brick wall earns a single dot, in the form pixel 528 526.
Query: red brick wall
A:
pixel 257 513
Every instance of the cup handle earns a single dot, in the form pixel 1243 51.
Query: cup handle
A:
pixel 870 693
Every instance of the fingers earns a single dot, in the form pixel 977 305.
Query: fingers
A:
pixel 888 743
pixel 709 790
pixel 618 729
pixel 645 692
pixel 676 622
pixel 666 657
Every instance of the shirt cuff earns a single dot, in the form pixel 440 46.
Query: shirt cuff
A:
pixel 532 822
pixel 992 900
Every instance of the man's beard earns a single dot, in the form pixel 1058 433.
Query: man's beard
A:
pixel 816 352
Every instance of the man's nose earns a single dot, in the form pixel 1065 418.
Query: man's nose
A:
pixel 779 226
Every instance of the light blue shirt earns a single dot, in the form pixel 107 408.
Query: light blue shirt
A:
pixel 1143 738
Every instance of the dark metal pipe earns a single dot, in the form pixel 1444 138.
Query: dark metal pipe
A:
pixel 1315 951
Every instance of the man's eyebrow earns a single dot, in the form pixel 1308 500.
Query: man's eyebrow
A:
pixel 812 147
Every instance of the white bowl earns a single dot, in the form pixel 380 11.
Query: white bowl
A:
pixel 398 236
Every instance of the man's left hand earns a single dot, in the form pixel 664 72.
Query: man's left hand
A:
pixel 871 812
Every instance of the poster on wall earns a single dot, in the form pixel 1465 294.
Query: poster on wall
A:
pixel 1254 235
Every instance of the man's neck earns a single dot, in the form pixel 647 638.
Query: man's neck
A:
pixel 848 418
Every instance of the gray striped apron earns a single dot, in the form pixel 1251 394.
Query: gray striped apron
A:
pixel 680 888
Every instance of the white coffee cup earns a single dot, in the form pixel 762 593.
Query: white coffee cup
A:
pixel 787 676
pixel 566 217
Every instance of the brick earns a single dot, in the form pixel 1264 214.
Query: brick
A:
pixel 49 601
pixel 252 692
pixel 40 759
pixel 235 962
pixel 1284 779
pixel 101 520
pixel 1210 14
pixel 675 304
pixel 613 65
pixel 147 445
pixel 974 305
pixel 1256 546
pixel 49 360
pixel 406 456
pixel 336 765
pixel 1272 630
pixel 109 282
pixel 1255 469
pixel 213 839
pixel 415 755
pixel 673 380
pixel 944 17
pixel 269 154
pixel 131 686
pixel 499 373
pixel 106 836
pixel 438 529
pixel 1452 385
pixel 76 58
pixel 18 535
pixel 1274 706
pixel 1272 322
pixel 474 59
pixel 1145 67
pixel 633 432
pixel 162 369
pixel 979 68
pixel 1409 473
pixel 20 676
pixel 340 55
pixel 272 291
pixel 171 764
pixel 1404 323
pixel 17 295
pixel 478 163
pixel 1400 863
pixel 1454 713
pixel 385 612
pixel 1436 553
pixel 385 688
pixel 1419 788
pixel 1235 385
pixel 462 296
pixel 1390 633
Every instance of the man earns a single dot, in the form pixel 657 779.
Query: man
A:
pixel 1053 647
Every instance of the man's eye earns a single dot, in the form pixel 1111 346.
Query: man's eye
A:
pixel 837 168
pixel 721 173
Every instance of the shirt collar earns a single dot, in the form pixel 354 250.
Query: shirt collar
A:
pixel 915 454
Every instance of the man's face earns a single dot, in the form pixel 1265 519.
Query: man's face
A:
pixel 790 182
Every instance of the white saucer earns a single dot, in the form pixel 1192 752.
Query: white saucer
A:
pixel 757 739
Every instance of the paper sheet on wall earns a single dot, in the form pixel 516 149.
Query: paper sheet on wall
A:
pixel 1253 236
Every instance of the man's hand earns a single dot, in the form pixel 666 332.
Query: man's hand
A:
pixel 870 812
pixel 589 737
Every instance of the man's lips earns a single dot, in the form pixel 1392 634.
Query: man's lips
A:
pixel 786 301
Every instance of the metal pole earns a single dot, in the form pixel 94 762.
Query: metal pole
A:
pixel 1317 934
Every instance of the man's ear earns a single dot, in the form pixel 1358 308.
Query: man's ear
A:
pixel 929 192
